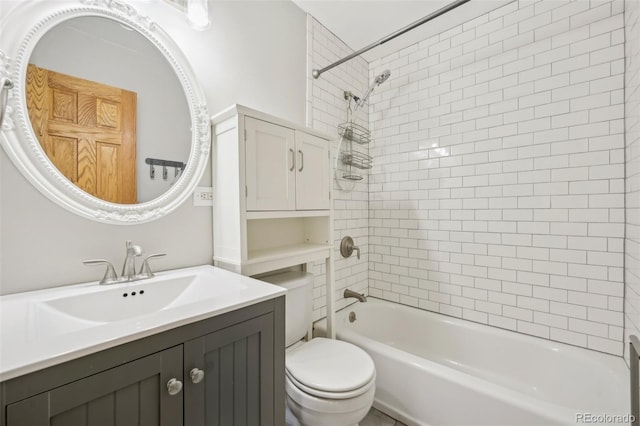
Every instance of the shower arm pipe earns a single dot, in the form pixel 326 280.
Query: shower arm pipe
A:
pixel 316 73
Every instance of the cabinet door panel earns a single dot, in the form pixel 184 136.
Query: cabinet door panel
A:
pixel 269 166
pixel 100 411
pixel 132 394
pixel 238 384
pixel 312 173
pixel 76 416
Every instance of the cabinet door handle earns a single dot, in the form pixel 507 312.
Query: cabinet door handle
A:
pixel 293 159
pixel 196 375
pixel 301 160
pixel 174 386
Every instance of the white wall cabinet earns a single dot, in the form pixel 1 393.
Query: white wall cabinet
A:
pixel 286 169
pixel 272 186
pixel 270 166
pixel 313 182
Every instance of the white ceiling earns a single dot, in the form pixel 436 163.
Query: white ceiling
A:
pixel 361 22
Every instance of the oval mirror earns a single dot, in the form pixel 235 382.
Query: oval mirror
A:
pixel 105 116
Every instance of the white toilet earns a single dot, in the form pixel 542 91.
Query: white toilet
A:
pixel 328 382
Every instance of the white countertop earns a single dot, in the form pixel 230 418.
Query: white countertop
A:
pixel 29 343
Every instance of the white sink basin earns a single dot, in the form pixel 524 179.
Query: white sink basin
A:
pixel 42 328
pixel 125 301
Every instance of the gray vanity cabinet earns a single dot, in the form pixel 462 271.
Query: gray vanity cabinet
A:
pixel 241 354
pixel 237 362
pixel 131 394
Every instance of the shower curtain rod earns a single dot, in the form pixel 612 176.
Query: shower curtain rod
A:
pixel 316 73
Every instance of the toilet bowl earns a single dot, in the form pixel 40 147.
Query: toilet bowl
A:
pixel 328 382
pixel 313 411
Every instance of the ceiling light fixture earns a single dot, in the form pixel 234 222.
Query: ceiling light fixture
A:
pixel 198 14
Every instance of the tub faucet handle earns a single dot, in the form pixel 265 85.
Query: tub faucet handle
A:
pixel 347 247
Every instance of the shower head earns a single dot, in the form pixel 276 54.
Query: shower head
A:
pixel 380 78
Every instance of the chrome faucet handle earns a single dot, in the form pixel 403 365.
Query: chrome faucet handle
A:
pixel 347 247
pixel 145 270
pixel 110 276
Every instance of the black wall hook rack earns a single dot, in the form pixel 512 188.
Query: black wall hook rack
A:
pixel 178 165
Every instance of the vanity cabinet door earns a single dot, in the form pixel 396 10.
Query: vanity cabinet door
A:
pixel 238 384
pixel 134 393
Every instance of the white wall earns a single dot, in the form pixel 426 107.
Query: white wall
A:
pixel 632 136
pixel 497 193
pixel 253 53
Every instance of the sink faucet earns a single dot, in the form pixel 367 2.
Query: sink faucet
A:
pixel 129 266
pixel 350 293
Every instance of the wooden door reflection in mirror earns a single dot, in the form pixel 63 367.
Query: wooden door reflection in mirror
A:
pixel 88 131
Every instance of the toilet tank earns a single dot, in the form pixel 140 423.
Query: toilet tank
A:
pixel 298 308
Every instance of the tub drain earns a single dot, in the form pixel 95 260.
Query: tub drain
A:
pixel 352 316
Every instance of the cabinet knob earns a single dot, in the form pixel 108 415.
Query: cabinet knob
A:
pixel 196 375
pixel 174 386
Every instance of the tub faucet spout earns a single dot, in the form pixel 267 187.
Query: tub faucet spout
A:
pixel 350 293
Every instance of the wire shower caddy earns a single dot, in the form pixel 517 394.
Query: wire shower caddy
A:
pixel 352 133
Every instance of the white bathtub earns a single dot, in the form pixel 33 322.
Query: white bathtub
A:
pixel 437 370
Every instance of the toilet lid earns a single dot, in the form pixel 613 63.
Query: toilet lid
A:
pixel 330 365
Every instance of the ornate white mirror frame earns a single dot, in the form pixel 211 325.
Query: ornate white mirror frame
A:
pixel 20 31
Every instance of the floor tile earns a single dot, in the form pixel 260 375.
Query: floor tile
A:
pixel 378 418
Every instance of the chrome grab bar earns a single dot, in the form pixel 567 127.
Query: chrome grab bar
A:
pixel 634 348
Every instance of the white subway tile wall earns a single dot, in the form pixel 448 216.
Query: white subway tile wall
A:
pixel 497 193
pixel 632 132
pixel 326 108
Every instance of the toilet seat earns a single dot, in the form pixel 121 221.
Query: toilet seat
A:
pixel 330 369
pixel 330 395
pixel 312 410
